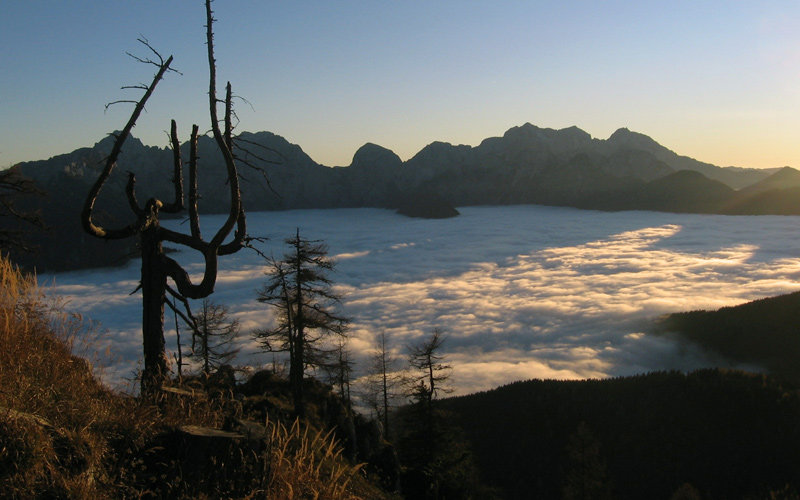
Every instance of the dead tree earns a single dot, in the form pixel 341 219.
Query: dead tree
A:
pixel 156 266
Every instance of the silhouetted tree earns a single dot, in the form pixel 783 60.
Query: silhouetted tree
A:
pixel 298 287
pixel 437 459
pixel 339 369
pixel 157 267
pixel 429 371
pixel 213 336
pixel 381 383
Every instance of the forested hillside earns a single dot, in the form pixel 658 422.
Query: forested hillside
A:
pixel 763 332
pixel 719 434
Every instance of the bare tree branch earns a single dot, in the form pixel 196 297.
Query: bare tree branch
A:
pixel 177 171
pixel 157 267
pixel 86 215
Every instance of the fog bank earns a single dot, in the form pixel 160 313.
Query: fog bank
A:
pixel 522 291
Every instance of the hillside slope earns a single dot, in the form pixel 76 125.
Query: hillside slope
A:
pixel 64 435
pixel 764 332
pixel 727 434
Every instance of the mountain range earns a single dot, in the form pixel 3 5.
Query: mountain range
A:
pixel 526 165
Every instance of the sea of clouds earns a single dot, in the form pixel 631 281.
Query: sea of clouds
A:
pixel 521 291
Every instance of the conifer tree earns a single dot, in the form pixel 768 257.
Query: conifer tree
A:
pixel 438 463
pixel 157 268
pixel 381 383
pixel 431 372
pixel 213 336
pixel 299 288
pixel 339 370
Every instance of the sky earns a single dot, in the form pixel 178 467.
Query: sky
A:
pixel 717 80
pixel 520 292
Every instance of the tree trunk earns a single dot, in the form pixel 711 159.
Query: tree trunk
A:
pixel 297 365
pixel 385 392
pixel 154 287
pixel 296 369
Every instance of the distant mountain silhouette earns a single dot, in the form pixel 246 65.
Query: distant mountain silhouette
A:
pixel 784 178
pixel 683 191
pixel 527 164
pixel 734 177
pixel 778 194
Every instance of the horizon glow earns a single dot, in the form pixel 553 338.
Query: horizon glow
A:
pixel 716 81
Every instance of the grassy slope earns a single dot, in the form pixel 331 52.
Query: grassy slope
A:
pixel 64 435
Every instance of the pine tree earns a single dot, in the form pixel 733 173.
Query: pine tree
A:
pixel 339 370
pixel 431 371
pixel 298 287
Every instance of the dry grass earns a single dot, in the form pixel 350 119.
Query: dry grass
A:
pixel 306 464
pixel 48 398
pixel 64 435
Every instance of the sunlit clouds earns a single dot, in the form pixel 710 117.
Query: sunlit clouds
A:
pixel 521 292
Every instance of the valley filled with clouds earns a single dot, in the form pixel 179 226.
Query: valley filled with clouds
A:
pixel 521 291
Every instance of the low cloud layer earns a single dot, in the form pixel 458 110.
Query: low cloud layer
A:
pixel 522 292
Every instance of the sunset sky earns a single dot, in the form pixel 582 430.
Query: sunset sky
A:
pixel 715 80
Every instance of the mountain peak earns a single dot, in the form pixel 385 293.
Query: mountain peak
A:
pixel 526 130
pixel 372 154
pixel 625 137
pixel 106 143
pixel 786 177
pixel 527 136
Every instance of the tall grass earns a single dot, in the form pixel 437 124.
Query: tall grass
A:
pixel 48 398
pixel 306 464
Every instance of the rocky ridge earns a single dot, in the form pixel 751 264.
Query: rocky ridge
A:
pixel 526 165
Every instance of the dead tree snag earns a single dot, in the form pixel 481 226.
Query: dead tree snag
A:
pixel 157 267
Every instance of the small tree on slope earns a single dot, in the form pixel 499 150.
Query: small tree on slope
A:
pixel 213 337
pixel 437 460
pixel 381 383
pixel 299 289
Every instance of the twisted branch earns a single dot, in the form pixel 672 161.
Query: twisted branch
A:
pixel 111 161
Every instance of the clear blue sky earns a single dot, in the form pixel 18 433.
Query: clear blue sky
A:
pixel 715 80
